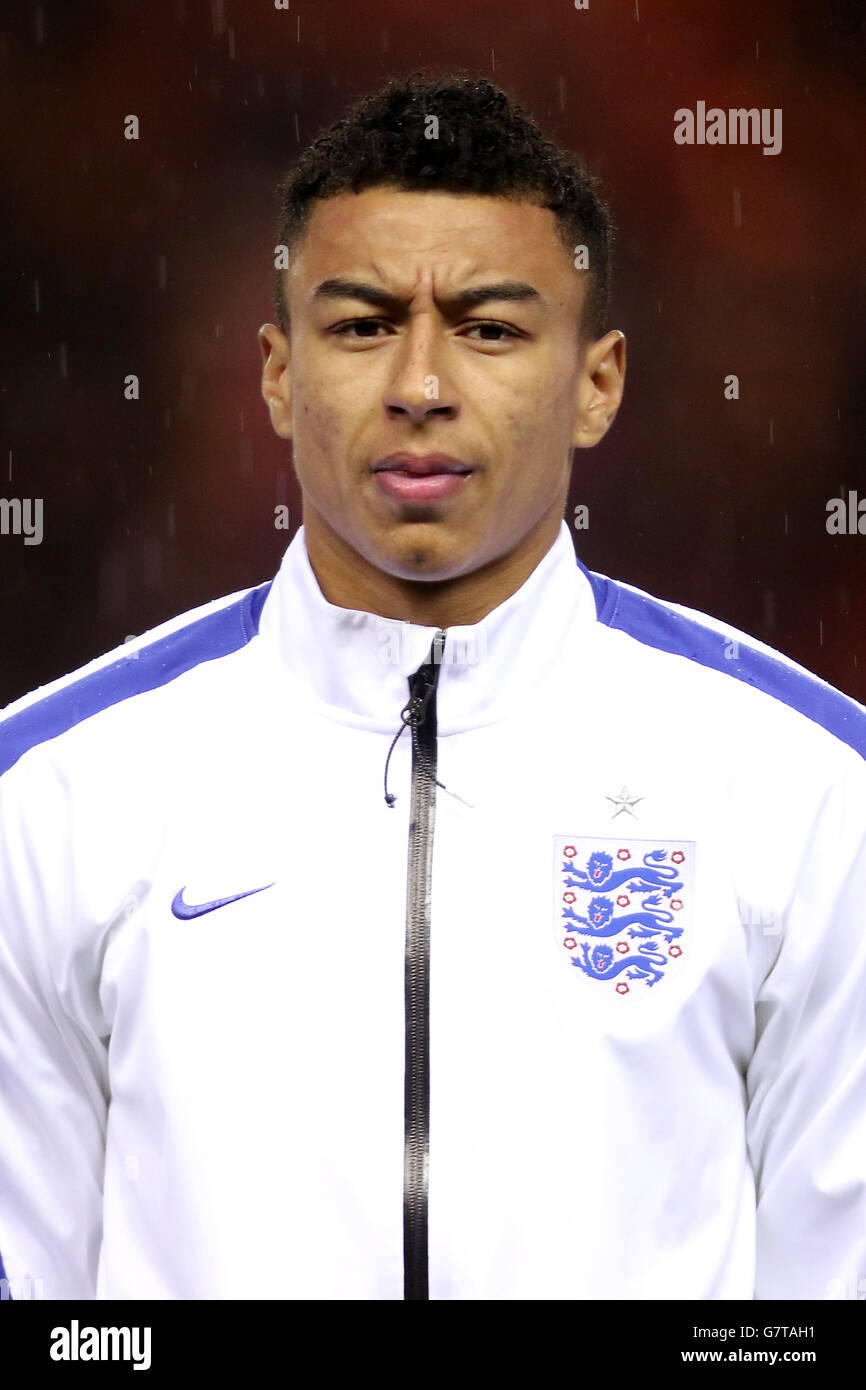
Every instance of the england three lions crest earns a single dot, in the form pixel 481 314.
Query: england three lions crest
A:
pixel 623 910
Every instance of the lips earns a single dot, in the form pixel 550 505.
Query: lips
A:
pixel 421 479
pixel 421 465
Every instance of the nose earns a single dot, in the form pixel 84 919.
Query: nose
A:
pixel 418 389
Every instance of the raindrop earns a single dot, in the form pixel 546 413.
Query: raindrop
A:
pixel 152 561
pixel 113 585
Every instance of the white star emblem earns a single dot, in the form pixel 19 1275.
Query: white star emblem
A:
pixel 624 802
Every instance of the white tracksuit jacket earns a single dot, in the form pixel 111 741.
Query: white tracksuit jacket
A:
pixel 587 1020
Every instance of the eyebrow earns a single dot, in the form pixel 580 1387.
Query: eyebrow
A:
pixel 514 291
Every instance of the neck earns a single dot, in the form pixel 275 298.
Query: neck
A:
pixel 349 580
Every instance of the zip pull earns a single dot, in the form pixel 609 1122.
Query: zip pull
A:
pixel 421 687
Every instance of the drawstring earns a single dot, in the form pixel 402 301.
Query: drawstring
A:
pixel 413 713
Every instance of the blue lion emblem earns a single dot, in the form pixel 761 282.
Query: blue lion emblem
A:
pixel 603 922
pixel 648 918
pixel 599 874
pixel 600 963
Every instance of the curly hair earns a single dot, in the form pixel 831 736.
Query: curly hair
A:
pixel 487 144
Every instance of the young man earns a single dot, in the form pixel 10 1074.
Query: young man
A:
pixel 560 996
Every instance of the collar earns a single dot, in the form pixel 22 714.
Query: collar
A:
pixel 356 665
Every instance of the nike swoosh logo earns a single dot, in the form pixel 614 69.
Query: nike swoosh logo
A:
pixel 185 911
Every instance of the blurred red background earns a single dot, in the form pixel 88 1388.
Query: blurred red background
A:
pixel 154 257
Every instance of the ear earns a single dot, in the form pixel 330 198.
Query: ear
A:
pixel 599 389
pixel 276 378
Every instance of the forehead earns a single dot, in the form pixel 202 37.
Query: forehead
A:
pixel 406 238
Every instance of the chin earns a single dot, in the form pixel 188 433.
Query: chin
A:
pixel 421 551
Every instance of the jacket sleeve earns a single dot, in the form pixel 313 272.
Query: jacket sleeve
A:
pixel 806 1083
pixel 53 1064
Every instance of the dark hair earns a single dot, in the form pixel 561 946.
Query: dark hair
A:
pixel 486 144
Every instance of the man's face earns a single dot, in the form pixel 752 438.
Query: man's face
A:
pixel 503 386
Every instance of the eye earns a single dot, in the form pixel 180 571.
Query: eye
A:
pixel 342 329
pixel 497 328
pixel 355 328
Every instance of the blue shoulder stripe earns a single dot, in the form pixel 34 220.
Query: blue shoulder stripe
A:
pixel 650 621
pixel 5 1292
pixel 217 634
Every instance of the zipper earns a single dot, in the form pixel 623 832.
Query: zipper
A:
pixel 416 1148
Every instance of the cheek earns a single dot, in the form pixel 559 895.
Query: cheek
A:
pixel 325 452
pixel 528 429
pixel 325 405
pixel 317 427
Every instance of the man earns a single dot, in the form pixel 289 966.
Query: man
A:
pixel 560 996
